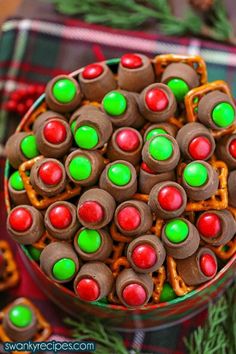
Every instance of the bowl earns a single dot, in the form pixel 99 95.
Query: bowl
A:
pixel 155 316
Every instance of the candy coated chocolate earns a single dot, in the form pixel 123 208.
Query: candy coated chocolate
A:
pixel 93 245
pixel 207 106
pixel 45 116
pixel 61 220
pixel 94 89
pixel 185 138
pixel 139 291
pixel 63 94
pixel 101 276
pixel 135 217
pixel 20 322
pixel 59 262
pixel 190 269
pixel 135 79
pixel 118 191
pixel 163 113
pixel 180 249
pixel 137 246
pixel 226 150
pixel 32 230
pixel 227 227
pixel 167 200
pixel 160 128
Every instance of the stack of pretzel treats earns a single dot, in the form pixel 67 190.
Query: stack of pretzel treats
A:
pixel 123 182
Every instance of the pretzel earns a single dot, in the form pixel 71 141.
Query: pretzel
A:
pixel 117 236
pixel 45 240
pixel 119 264
pixel 193 97
pixel 27 124
pixel 219 200
pixel 141 197
pixel 196 62
pixel 10 276
pixel 158 278
pixel 177 283
pixel 157 228
pixel 39 202
pixel 44 329
pixel 226 251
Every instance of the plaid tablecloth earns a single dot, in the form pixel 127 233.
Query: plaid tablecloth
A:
pixel 32 51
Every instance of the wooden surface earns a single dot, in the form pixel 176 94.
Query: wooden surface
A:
pixel 8 8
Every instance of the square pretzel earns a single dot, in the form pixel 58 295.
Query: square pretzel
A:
pixel 226 251
pixel 38 201
pixel 11 274
pixel 194 96
pixel 45 240
pixel 196 62
pixel 219 200
pixel 44 329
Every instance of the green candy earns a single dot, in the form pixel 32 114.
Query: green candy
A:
pixel 16 181
pixel 176 230
pixel 72 127
pixel 89 241
pixel 155 132
pixel 29 147
pixel 167 293
pixel 119 174
pixel 21 316
pixel 223 114
pixel 114 103
pixel 80 168
pixel 64 90
pixel 34 252
pixel 195 174
pixel 86 137
pixel 179 88
pixel 161 148
pixel 64 269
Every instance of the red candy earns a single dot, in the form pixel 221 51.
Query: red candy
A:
pixel 199 148
pixel 208 265
pixel 88 289
pixel 127 140
pixel 170 198
pixel 156 100
pixel 60 217
pixel 131 61
pixel 91 212
pixel 129 218
pixel 147 169
pixel 232 148
pixel 50 173
pixel 144 256
pixel 20 219
pixel 209 225
pixel 134 295
pixel 55 132
pixel 92 71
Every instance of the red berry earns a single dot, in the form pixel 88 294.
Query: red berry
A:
pixel 232 148
pixel 147 169
pixel 15 96
pixel 50 173
pixel 88 289
pixel 144 256
pixel 199 148
pixel 29 102
pixel 20 219
pixel 131 61
pixel 170 198
pixel 134 295
pixel 129 218
pixel 55 132
pixel 209 225
pixel 156 100
pixel 91 212
pixel 21 108
pixel 11 105
pixel 208 265
pixel 92 71
pixel 31 90
pixel 60 217
pixel 127 140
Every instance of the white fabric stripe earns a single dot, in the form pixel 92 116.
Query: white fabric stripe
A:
pixel 194 47
pixel 137 341
pixel 122 41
